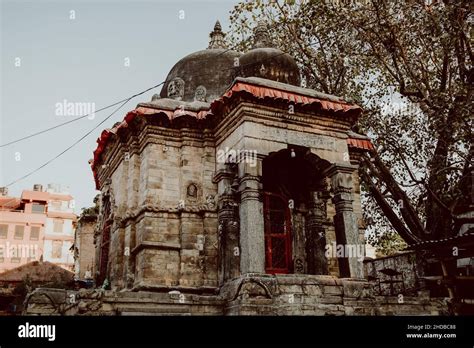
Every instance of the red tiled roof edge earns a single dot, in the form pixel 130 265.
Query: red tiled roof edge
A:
pixel 129 117
pixel 361 144
pixel 268 92
pixel 257 91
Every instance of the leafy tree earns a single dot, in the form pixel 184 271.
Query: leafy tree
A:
pixel 409 65
pixel 388 243
pixel 91 211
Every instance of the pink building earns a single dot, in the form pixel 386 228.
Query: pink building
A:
pixel 39 224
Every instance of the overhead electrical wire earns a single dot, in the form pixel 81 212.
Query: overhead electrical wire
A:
pixel 69 147
pixel 77 118
pixel 118 102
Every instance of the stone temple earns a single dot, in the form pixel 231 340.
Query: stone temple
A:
pixel 234 191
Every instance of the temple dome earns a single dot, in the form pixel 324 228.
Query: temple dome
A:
pixel 270 63
pixel 204 75
pixel 267 62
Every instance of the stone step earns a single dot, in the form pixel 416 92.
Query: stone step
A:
pixel 153 314
pixel 161 310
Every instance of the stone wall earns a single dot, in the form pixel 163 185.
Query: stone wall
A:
pixel 319 295
pixel 254 294
pixel 84 243
pixel 164 230
pixel 407 263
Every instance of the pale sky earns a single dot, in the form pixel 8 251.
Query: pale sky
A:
pixel 50 54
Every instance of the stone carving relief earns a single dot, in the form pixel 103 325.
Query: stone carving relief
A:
pixel 299 266
pixel 192 191
pixel 176 88
pixel 200 93
pixel 254 288
pixel 341 182
pixel 107 194
pixel 210 201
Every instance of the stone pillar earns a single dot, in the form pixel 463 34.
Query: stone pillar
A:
pixel 299 235
pixel 228 226
pixel 316 234
pixel 345 221
pixel 252 238
pixel 133 184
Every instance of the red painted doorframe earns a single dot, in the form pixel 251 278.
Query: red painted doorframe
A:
pixel 278 240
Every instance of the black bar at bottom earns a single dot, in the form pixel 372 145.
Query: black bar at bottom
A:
pixel 289 331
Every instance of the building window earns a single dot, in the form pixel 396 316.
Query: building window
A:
pixel 56 205
pixel 34 233
pixel 2 259
pixel 19 231
pixel 15 259
pixel 58 226
pixel 37 208
pixel 57 249
pixel 3 231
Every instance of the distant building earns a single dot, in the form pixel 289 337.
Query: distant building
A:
pixel 38 224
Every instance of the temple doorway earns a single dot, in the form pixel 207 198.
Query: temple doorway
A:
pixel 278 236
pixel 294 211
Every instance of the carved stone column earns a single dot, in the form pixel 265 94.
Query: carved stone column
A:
pixel 316 234
pixel 228 226
pixel 345 221
pixel 252 238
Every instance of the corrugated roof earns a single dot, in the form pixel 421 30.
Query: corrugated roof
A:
pixel 362 144
pixel 262 88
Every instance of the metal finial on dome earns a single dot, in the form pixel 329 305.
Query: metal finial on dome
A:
pixel 261 35
pixel 217 37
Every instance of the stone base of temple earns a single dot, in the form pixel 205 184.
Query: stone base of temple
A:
pixel 250 294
